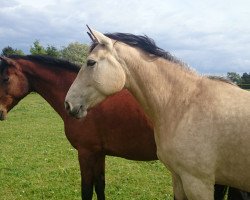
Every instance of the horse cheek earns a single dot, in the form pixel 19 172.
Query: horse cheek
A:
pixel 19 87
pixel 113 85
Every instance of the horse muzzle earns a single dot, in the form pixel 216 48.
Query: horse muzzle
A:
pixel 3 115
pixel 76 111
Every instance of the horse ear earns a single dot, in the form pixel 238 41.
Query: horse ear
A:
pixel 91 37
pixel 101 38
pixel 1 61
pixel 7 60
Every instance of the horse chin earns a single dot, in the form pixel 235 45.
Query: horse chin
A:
pixel 81 114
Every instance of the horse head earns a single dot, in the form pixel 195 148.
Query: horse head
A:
pixel 13 85
pixel 101 77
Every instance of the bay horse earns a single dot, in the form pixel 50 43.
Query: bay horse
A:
pixel 201 125
pixel 110 129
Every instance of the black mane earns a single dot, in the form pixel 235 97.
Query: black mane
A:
pixel 49 61
pixel 143 42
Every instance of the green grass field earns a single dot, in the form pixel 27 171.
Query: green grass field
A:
pixel 37 162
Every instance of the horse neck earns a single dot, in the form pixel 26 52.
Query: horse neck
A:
pixel 52 83
pixel 158 84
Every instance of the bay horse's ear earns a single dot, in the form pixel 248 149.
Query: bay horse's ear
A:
pixel 100 38
pixel 1 58
pixel 7 60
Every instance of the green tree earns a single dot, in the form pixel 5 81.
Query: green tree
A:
pixel 37 49
pixel 234 77
pixel 245 78
pixel 245 81
pixel 52 51
pixel 6 51
pixel 75 52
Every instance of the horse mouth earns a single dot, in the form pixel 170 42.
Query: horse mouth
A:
pixel 77 111
pixel 2 115
pixel 84 114
pixel 80 114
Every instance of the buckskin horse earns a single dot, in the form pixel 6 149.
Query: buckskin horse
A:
pixel 201 125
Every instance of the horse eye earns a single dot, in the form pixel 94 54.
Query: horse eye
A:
pixel 6 79
pixel 91 63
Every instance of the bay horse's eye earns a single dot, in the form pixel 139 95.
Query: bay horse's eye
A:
pixel 6 79
pixel 91 63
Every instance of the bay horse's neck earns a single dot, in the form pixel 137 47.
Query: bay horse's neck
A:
pixel 158 84
pixel 52 83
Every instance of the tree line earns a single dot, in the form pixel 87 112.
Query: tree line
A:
pixel 241 80
pixel 76 52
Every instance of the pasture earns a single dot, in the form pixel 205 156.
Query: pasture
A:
pixel 37 161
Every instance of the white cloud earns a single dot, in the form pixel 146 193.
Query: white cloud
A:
pixel 211 35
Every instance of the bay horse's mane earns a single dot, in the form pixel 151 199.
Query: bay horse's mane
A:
pixel 47 60
pixel 143 42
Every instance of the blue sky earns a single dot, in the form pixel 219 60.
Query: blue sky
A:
pixel 211 36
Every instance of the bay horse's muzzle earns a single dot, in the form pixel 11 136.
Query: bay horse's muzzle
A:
pixel 2 115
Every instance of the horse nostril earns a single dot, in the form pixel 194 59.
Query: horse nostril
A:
pixel 73 110
pixel 68 106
